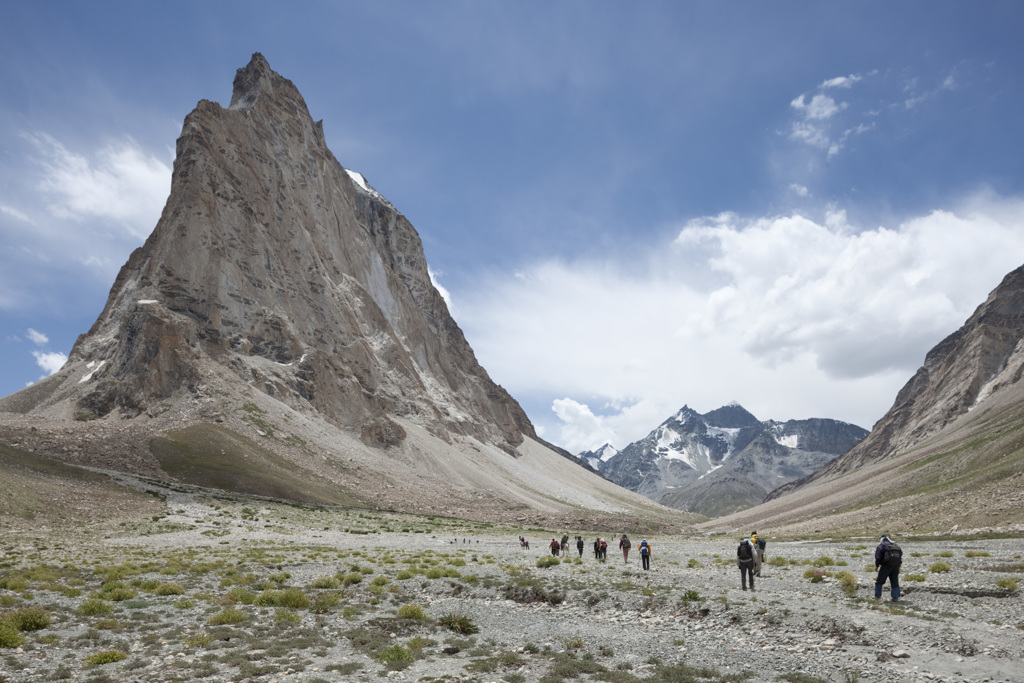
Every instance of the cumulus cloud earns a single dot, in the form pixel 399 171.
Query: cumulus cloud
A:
pixel 793 316
pixel 799 190
pixel 120 182
pixel 50 361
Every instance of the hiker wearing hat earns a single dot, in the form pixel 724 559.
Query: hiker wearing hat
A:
pixel 745 561
pixel 888 558
pixel 624 546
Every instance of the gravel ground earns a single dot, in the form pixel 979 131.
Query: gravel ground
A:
pixel 577 620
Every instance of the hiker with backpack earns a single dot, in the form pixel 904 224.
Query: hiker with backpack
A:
pixel 745 560
pixel 645 553
pixel 624 546
pixel 759 545
pixel 555 547
pixel 604 550
pixel 888 559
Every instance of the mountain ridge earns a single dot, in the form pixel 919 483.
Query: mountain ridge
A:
pixel 723 460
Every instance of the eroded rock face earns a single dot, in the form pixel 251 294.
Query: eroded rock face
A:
pixel 273 260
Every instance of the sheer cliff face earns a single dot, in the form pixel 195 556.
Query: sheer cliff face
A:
pixel 272 260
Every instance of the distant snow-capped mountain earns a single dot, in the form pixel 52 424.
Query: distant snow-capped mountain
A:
pixel 596 458
pixel 723 461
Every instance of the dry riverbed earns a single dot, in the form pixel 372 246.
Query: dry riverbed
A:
pixel 230 589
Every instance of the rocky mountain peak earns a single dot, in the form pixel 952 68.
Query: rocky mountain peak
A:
pixel 254 79
pixel 274 263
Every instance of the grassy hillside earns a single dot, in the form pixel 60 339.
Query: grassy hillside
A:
pixel 213 456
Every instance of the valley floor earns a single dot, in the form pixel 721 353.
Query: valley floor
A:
pixel 229 589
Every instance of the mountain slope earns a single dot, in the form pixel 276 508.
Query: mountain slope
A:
pixel 725 460
pixel 949 453
pixel 281 317
pixel 983 358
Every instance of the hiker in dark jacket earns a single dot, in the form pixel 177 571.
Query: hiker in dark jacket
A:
pixel 579 545
pixel 888 559
pixel 745 561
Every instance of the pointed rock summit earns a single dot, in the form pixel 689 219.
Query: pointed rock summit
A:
pixel 271 261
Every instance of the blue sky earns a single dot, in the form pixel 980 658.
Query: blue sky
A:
pixel 630 206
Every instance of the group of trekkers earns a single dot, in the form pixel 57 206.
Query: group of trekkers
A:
pixel 888 560
pixel 750 557
pixel 600 548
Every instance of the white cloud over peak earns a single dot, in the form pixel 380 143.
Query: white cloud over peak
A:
pixel 736 308
pixel 120 182
pixel 50 362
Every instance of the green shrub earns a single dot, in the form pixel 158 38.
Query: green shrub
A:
pixel 116 591
pixel 323 603
pixel 459 623
pixel 326 582
pixel 547 561
pixel 848 582
pixel 396 657
pixel 693 564
pixel 914 577
pixel 823 561
pixel 169 589
pixel 945 553
pixel 95 607
pixel 105 657
pixel 228 615
pixel 411 611
pixel 939 568
pixel 1008 583
pixel 10 635
pixel 352 578
pixel 33 618
pixel 201 639
pixel 976 553
pixel 403 575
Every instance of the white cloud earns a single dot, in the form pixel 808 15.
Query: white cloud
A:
pixel 445 294
pixel 820 107
pixel 791 316
pixel 14 213
pixel 580 425
pixel 841 81
pixel 50 362
pixel 121 183
pixel 799 190
pixel 38 338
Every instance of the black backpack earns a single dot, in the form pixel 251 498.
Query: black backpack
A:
pixel 761 544
pixel 744 552
pixel 892 555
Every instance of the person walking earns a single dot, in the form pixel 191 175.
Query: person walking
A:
pixel 645 553
pixel 579 545
pixel 624 546
pixel 888 559
pixel 745 561
pixel 554 545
